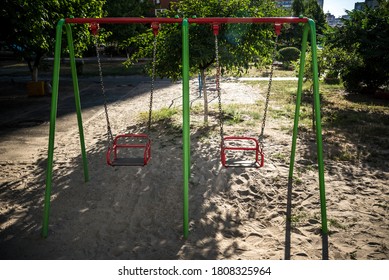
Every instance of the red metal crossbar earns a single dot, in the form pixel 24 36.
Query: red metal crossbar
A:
pixel 112 153
pixel 251 144
pixel 123 20
pixel 275 20
pixel 210 20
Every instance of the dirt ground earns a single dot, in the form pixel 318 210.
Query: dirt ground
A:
pixel 136 213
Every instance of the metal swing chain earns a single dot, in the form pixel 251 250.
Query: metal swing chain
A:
pixel 261 136
pixel 152 82
pixel 217 80
pixel 109 132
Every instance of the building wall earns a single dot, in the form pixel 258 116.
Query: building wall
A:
pixel 288 3
pixel 370 3
pixel 285 3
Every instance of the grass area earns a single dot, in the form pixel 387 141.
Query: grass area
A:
pixel 159 115
pixel 239 113
pixel 277 72
pixel 355 127
pixel 166 118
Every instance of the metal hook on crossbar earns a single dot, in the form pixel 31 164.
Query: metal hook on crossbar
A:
pixel 215 28
pixel 155 27
pixel 277 28
pixel 94 28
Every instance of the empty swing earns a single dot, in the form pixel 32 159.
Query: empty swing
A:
pixel 129 149
pixel 242 151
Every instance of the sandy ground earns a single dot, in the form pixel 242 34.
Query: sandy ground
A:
pixel 136 213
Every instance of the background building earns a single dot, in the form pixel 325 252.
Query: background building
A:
pixel 370 3
pixel 287 4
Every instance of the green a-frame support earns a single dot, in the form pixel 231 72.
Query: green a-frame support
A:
pixel 309 28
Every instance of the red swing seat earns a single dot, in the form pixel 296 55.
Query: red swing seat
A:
pixel 129 150
pixel 234 152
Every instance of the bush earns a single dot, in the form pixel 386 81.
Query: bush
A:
pixel 308 73
pixel 362 42
pixel 289 54
pixel 332 77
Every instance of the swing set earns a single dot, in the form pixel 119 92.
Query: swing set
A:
pixel 118 146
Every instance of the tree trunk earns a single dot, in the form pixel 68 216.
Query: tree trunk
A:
pixel 34 74
pixel 35 67
pixel 205 95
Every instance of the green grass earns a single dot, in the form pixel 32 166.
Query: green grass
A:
pixel 247 114
pixel 281 156
pixel 299 218
pixel 357 125
pixel 161 115
pixel 336 224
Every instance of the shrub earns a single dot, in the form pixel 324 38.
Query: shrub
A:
pixel 363 42
pixel 288 54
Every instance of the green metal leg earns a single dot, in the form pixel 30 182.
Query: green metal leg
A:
pixel 77 100
pixel 319 140
pixel 186 123
pixel 53 116
pixel 310 26
pixel 298 100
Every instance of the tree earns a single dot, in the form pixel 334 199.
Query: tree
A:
pixel 314 11
pixel 125 8
pixel 28 27
pixel 363 40
pixel 309 9
pixel 240 45
pixel 298 7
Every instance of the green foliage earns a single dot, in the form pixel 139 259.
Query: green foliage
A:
pixel 120 33
pixel 28 27
pixel 308 72
pixel 363 41
pixel 298 7
pixel 310 9
pixel 332 60
pixel 288 55
pixel 239 44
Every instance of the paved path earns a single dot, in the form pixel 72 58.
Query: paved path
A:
pixel 267 78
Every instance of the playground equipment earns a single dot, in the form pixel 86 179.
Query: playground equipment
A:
pixel 230 145
pixel 309 27
pixel 128 149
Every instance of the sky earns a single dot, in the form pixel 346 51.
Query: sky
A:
pixel 338 7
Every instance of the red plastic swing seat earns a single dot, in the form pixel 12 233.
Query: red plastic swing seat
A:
pixel 129 150
pixel 234 152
